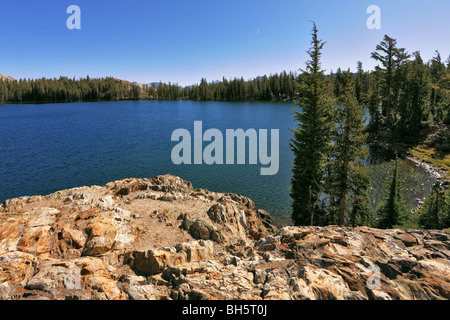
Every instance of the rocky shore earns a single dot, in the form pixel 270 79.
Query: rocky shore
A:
pixel 429 153
pixel 435 172
pixel 159 238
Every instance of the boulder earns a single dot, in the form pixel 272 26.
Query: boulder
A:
pixel 156 261
pixel 101 236
pixel 144 292
pixel 407 239
pixel 74 238
pixel 39 237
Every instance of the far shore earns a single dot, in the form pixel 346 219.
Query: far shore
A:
pixel 122 100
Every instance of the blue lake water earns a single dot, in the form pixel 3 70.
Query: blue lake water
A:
pixel 50 147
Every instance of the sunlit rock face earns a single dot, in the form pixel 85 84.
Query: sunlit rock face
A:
pixel 160 238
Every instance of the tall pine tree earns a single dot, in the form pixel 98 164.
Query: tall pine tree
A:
pixel 391 58
pixel 311 142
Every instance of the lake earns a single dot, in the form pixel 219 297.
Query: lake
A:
pixel 49 147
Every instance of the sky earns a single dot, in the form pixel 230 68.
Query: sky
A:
pixel 183 41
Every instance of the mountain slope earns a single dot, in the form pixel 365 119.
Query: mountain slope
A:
pixel 6 78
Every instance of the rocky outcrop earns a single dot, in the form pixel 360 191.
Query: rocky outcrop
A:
pixel 6 78
pixel 160 238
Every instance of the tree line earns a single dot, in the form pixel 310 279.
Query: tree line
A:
pixel 403 94
pixel 330 180
pixel 67 90
pixel 266 88
pixel 279 86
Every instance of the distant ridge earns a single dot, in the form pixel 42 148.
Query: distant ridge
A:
pixel 146 84
pixel 154 84
pixel 7 78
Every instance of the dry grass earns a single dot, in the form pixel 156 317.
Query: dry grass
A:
pixel 433 157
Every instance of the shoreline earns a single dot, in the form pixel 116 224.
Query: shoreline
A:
pixel 439 173
pixel 434 171
pixel 122 100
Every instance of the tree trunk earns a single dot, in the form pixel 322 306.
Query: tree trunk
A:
pixel 342 208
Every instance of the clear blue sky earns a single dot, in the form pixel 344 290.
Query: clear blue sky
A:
pixel 183 41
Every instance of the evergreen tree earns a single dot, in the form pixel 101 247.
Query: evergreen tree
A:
pixel 338 83
pixel 330 82
pixel 347 175
pixel 414 97
pixel 374 103
pixel 311 142
pixel 391 59
pixel 446 218
pixel 433 214
pixel 393 211
pixel 359 82
pixel 361 213
pixel 440 87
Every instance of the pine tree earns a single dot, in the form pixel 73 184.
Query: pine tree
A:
pixel 311 142
pixel 391 59
pixel 338 83
pixel 414 97
pixel 358 82
pixel 393 211
pixel 346 173
pixel 439 82
pixel 434 211
pixel 375 101
pixel 361 213
pixel 446 217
